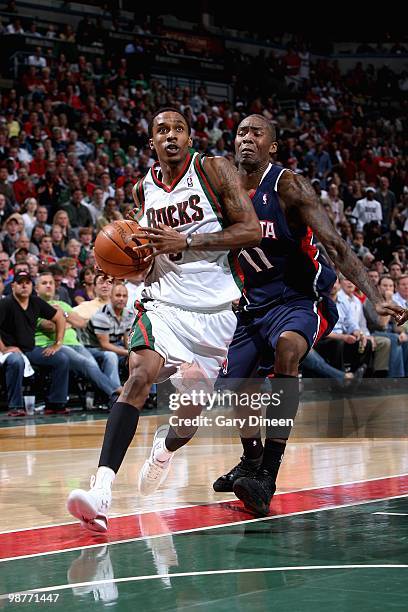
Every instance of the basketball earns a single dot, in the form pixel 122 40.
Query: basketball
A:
pixel 114 252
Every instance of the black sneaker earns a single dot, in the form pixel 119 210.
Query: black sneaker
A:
pixel 256 492
pixel 246 467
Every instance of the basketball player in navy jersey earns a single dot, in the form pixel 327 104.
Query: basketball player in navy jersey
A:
pixel 285 308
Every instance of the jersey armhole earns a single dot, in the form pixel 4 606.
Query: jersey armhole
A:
pixel 201 160
pixel 212 194
pixel 278 177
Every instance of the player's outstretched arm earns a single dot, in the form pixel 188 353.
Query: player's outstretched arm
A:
pixel 301 205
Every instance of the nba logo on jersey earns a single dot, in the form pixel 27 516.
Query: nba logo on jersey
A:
pixel 265 198
pixel 189 181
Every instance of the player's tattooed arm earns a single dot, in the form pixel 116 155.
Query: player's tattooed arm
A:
pixel 243 227
pixel 136 212
pixel 301 203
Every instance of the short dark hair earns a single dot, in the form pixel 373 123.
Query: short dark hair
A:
pixel 45 272
pixel 167 109
pixel 56 269
pixel 102 274
pixel 82 273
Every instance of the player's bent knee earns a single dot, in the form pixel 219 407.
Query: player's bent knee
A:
pixel 139 382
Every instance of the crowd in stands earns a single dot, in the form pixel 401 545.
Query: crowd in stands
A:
pixel 74 141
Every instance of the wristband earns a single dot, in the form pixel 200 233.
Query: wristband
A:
pixel 189 240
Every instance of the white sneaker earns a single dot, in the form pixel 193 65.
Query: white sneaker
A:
pixel 154 472
pixel 91 507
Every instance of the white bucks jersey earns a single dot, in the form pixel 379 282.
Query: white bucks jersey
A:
pixel 196 280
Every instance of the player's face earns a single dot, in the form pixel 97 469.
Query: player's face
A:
pixel 253 145
pixel 170 138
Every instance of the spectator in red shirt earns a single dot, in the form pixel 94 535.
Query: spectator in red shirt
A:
pixel 369 166
pixel 93 111
pixel 292 62
pixel 30 80
pixel 23 187
pixel 39 164
pixel 128 175
pixel 86 185
pixel 386 160
pixel 349 168
pixel 46 256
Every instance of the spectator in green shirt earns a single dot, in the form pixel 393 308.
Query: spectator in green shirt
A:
pixel 80 359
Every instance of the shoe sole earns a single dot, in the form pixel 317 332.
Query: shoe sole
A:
pixel 222 488
pixel 78 506
pixel 255 505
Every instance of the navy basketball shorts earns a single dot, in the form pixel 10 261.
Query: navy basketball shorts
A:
pixel 251 352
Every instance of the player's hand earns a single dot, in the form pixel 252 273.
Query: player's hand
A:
pixel 162 240
pixel 386 309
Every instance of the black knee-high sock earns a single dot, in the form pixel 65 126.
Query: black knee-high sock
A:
pixel 120 430
pixel 173 442
pixel 253 447
pixel 275 443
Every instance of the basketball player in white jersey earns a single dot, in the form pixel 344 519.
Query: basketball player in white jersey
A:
pixel 196 212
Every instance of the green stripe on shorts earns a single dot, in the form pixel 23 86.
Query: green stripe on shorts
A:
pixel 141 333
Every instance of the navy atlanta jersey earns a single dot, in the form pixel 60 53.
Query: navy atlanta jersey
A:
pixel 286 265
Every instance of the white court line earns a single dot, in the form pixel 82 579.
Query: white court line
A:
pixel 215 501
pixel 209 502
pixel 392 513
pixel 139 446
pixel 206 528
pixel 289 568
pixel 294 442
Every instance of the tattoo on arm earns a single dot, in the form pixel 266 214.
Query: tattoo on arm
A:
pixel 300 199
pixel 243 228
pixel 135 212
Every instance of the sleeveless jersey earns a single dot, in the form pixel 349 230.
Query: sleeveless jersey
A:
pixel 286 265
pixel 195 280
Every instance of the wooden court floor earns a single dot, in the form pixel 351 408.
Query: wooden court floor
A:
pixel 336 539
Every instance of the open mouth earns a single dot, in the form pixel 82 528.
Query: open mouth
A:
pixel 247 150
pixel 172 148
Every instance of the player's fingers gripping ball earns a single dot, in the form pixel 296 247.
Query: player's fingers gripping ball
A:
pixel 114 246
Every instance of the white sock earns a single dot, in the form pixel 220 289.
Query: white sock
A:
pixel 161 453
pixel 104 478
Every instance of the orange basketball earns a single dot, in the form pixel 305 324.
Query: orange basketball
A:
pixel 114 252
